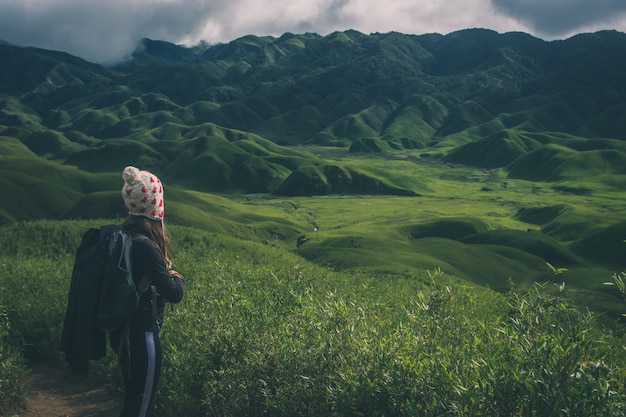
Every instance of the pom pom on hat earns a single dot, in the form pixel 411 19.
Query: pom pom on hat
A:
pixel 142 193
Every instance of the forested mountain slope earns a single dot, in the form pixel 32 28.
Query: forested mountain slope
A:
pixel 242 116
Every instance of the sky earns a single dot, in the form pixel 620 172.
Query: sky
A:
pixel 107 31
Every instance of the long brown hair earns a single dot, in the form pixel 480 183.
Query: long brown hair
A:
pixel 155 230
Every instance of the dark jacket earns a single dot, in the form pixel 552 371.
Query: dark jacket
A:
pixel 82 340
pixel 147 262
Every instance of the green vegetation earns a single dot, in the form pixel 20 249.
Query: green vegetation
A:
pixel 477 225
pixel 13 370
pixel 364 218
pixel 263 332
pixel 226 118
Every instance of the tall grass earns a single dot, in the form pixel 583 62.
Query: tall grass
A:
pixel 13 370
pixel 274 341
pixel 263 332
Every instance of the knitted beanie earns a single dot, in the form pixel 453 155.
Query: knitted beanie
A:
pixel 142 193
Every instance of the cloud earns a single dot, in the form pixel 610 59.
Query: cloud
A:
pixel 555 18
pixel 104 31
pixel 101 31
pixel 236 18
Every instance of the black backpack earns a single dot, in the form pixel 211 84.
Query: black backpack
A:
pixel 102 295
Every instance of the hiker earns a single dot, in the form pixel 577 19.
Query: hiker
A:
pixel 138 345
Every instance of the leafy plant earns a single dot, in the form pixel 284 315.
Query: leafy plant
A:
pixel 13 370
pixel 555 270
pixel 263 332
pixel 619 281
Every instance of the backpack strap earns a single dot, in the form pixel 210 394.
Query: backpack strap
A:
pixel 145 283
pixel 155 315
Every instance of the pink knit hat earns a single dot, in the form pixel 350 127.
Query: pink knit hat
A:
pixel 142 193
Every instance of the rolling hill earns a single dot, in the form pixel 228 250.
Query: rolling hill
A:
pixel 495 133
pixel 497 160
pixel 229 117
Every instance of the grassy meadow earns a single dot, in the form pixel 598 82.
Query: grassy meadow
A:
pixel 264 332
pixel 379 225
pixel 479 296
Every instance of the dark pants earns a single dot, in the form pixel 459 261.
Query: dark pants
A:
pixel 140 362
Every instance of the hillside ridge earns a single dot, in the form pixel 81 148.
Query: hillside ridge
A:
pixel 239 116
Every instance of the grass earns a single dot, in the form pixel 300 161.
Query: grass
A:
pixel 44 189
pixel 524 224
pixel 264 332
pixel 13 369
pixel 476 224
pixel 10 146
pixel 371 314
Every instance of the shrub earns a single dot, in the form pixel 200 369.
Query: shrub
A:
pixel 264 333
pixel 550 358
pixel 13 371
pixel 273 340
pixel 35 290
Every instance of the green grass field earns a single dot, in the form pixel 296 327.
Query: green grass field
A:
pixel 375 225
pixel 389 305
pixel 264 332
pixel 476 225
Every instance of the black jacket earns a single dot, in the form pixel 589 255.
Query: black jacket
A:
pixel 82 340
pixel 147 261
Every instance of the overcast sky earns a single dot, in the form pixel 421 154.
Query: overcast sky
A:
pixel 105 31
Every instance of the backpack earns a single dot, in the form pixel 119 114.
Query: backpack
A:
pixel 118 298
pixel 102 295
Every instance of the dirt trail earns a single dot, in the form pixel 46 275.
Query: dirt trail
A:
pixel 59 393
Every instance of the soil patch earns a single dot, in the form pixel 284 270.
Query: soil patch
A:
pixel 59 393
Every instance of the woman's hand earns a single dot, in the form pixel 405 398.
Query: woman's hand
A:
pixel 175 274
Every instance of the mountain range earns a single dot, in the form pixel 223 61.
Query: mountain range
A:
pixel 259 114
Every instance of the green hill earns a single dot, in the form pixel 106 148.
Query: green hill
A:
pixel 473 97
pixel 485 154
pixel 320 183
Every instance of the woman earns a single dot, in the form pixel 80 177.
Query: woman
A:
pixel 138 346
